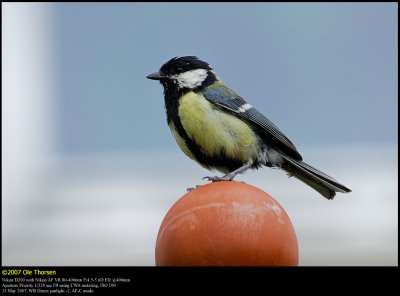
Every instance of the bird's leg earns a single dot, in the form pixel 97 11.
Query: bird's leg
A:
pixel 231 175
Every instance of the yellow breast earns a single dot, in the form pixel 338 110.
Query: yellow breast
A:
pixel 215 131
pixel 180 141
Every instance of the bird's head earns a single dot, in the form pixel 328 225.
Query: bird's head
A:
pixel 186 72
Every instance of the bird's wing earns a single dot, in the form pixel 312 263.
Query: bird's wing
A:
pixel 227 99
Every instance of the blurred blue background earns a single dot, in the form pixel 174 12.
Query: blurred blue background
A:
pixel 330 67
pixel 87 153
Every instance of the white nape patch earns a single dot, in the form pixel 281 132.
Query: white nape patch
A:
pixel 191 79
pixel 245 107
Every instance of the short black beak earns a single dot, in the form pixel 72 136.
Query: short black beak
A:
pixel 155 76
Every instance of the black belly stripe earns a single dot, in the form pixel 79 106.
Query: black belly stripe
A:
pixel 218 160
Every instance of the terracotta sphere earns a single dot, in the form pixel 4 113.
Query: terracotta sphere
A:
pixel 226 224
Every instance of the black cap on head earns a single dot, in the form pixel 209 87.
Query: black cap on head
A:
pixel 182 64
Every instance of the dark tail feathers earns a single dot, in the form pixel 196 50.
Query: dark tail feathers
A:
pixel 324 184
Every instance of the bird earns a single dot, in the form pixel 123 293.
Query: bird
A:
pixel 221 131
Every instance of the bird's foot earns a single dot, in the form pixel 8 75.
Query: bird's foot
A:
pixel 218 179
pixel 191 188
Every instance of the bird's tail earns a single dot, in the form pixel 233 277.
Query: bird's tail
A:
pixel 324 184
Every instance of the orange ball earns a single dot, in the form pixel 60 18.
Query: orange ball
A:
pixel 226 224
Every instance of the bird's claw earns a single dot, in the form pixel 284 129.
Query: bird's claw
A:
pixel 191 188
pixel 212 179
pixel 216 179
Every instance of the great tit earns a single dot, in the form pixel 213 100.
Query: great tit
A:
pixel 221 131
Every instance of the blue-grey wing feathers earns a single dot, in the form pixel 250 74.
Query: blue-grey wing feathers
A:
pixel 227 99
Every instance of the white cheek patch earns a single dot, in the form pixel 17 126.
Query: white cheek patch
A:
pixel 244 108
pixel 191 79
